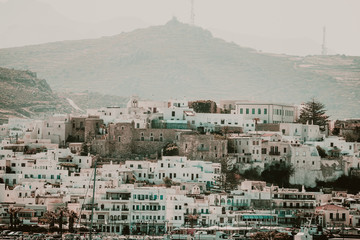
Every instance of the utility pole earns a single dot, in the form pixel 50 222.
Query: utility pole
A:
pixel 92 203
pixel 324 48
pixel 192 14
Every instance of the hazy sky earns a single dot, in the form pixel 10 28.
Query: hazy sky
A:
pixel 234 19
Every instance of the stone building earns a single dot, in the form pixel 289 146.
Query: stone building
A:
pixel 198 146
pixel 125 139
pixel 84 128
pixel 245 148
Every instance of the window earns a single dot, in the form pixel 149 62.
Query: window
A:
pixel 259 110
pixel 265 111
pixel 253 111
pixel 173 113
pixel 119 138
pixel 247 111
pixel 241 111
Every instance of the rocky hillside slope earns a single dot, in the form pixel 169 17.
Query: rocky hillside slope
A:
pixel 22 94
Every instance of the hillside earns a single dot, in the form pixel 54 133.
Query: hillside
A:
pixel 177 60
pixel 90 100
pixel 22 94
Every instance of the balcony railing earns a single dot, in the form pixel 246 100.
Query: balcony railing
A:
pixel 203 149
pixel 120 209
pixel 338 219
pixel 294 197
pixel 298 207
pixel 274 153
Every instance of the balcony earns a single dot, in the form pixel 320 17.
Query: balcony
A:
pixel 273 153
pixel 120 209
pixel 296 207
pixel 338 220
pixel 295 197
pixel 203 149
pixel 103 209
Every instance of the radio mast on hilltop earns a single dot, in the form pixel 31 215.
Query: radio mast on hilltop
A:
pixel 192 14
pixel 324 48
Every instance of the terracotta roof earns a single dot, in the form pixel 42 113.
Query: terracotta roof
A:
pixel 330 207
pixel 268 134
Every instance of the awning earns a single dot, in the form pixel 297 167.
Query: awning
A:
pixel 257 217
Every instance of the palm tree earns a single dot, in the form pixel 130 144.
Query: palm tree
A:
pixel 62 212
pixel 13 216
pixel 72 217
pixel 50 218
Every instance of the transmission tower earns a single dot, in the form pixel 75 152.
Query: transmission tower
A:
pixel 192 14
pixel 324 48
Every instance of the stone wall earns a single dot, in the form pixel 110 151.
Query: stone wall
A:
pixel 273 127
pixel 206 147
pixel 123 139
pixel 92 126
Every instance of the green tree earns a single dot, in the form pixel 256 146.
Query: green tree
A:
pixel 314 113
pixel 168 182
pixel 252 173
pixel 203 106
pixel 278 173
pixel 230 177
pixel 171 149
pixel 353 136
pixel 321 152
pixel 50 218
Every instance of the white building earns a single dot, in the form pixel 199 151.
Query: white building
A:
pixel 266 112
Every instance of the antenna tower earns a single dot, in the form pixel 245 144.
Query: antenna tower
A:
pixel 192 14
pixel 324 48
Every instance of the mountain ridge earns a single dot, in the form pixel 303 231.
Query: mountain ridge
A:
pixel 176 60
